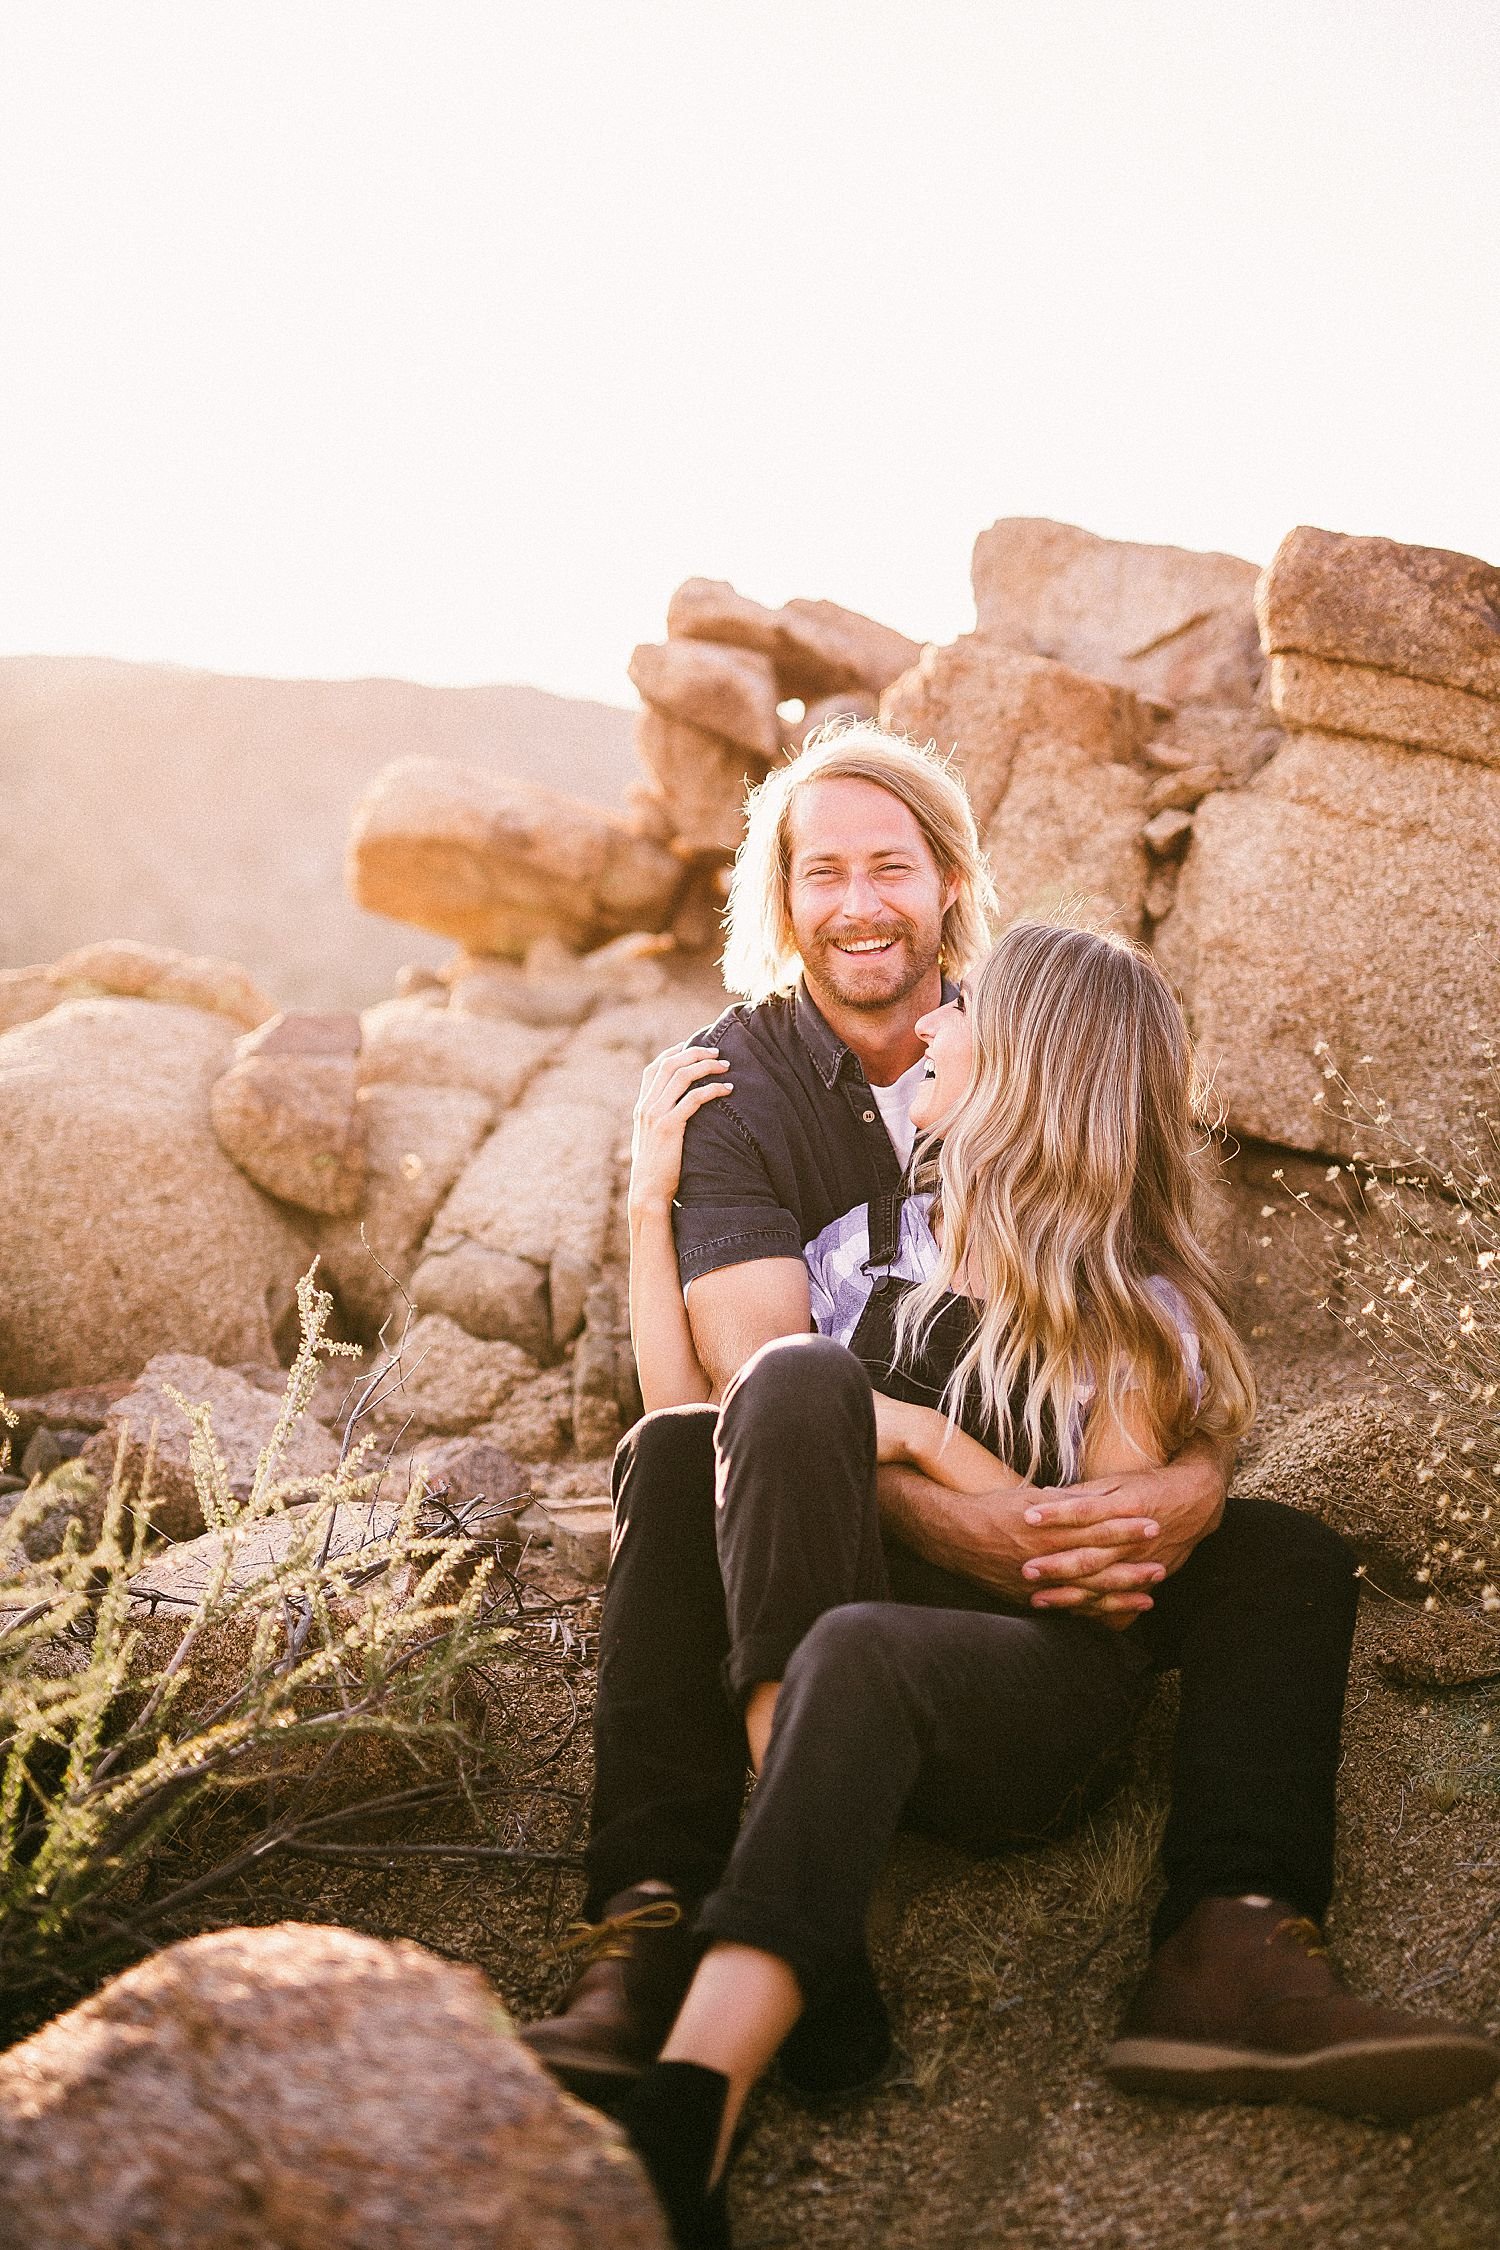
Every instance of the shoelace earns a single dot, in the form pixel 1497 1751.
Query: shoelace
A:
pixel 609 1940
pixel 1304 1929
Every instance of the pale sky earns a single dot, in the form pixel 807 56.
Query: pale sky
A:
pixel 444 339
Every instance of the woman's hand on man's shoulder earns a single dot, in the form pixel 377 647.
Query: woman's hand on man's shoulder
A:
pixel 673 1088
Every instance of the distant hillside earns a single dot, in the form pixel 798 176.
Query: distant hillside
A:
pixel 206 812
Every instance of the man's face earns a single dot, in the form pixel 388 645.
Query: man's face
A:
pixel 867 900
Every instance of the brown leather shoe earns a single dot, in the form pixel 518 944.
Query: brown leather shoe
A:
pixel 640 1960
pixel 1242 2004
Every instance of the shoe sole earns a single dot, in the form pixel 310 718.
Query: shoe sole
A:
pixel 1394 2080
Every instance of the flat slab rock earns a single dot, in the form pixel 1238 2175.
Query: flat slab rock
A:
pixel 297 2088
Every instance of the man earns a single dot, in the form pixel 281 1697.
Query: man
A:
pixel 859 883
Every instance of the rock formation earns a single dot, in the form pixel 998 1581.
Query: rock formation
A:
pixel 1105 686
pixel 1338 914
pixel 1313 856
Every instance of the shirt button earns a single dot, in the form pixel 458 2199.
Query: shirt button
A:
pixel 869 1116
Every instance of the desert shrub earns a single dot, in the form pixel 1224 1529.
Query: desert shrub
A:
pixel 104 1755
pixel 1420 1253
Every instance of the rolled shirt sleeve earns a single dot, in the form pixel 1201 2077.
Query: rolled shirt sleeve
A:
pixel 726 1211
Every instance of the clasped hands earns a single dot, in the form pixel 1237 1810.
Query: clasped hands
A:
pixel 1095 1548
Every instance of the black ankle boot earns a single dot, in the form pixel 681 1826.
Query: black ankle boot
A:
pixel 842 2044
pixel 673 2115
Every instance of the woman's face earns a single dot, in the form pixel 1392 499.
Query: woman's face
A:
pixel 945 1033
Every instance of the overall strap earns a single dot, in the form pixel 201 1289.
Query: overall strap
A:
pixel 883 1223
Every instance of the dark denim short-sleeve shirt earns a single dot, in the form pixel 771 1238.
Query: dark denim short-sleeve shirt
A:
pixel 798 1142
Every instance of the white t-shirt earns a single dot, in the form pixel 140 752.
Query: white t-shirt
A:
pixel 894 1104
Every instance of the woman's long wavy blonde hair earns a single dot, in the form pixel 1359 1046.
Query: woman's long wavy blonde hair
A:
pixel 1067 1179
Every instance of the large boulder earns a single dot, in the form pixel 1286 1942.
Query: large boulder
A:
pixel 418 1042
pixel 1339 914
pixel 497 864
pixel 286 1111
pixel 124 1228
pixel 147 1425
pixel 1418 611
pixel 1168 623
pixel 132 971
pixel 730 692
pixel 1309 691
pixel 984 704
pixel 1372 637
pixel 818 648
pixel 700 780
pixel 311 2089
pixel 519 1241
pixel 1068 835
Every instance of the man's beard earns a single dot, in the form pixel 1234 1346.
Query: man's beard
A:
pixel 873 981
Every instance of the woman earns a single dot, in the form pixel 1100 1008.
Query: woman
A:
pixel 1041 1313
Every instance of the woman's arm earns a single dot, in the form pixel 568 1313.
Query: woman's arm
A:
pixel 676 1085
pixel 924 1439
pixel 1118 1439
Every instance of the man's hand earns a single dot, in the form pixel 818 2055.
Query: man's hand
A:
pixel 986 1536
pixel 1183 1501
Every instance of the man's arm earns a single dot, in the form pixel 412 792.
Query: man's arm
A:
pixel 735 1309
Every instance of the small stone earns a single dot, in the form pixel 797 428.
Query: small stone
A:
pixel 582 1531
pixel 1161 894
pixel 1167 833
pixel 1181 792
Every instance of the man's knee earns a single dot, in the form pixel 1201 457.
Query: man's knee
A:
pixel 666 1462
pixel 1267 1538
pixel 845 1653
pixel 805 1377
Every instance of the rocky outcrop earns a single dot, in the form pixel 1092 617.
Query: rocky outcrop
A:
pixel 1345 900
pixel 126 970
pixel 308 2087
pixel 712 723
pixel 1333 919
pixel 124 1228
pixel 1106 685
pixel 1170 624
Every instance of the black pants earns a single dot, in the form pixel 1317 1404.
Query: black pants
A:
pixel 738 1529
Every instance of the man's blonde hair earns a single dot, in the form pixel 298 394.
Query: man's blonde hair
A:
pixel 761 955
